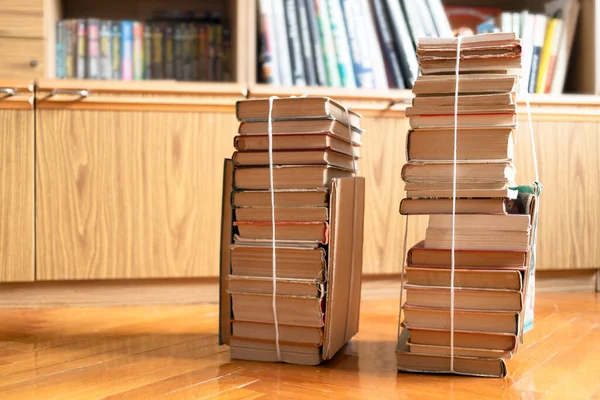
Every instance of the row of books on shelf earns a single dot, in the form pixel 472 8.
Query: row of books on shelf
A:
pixel 345 43
pixel 185 50
pixel 546 37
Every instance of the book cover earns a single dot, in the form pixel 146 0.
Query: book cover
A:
pixel 363 70
pixel 413 20
pixel 157 52
pixel 306 44
pixel 316 40
pixel 61 47
pixel 93 48
pixel 115 38
pixel 553 34
pixel 126 50
pixel 138 50
pixel 294 43
pixel 105 50
pixel 81 49
pixel 147 51
pixel 328 44
pixel 340 39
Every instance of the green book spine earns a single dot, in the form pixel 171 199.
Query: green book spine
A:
pixel 326 34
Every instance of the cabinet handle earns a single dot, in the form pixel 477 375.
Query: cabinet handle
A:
pixel 8 92
pixel 82 93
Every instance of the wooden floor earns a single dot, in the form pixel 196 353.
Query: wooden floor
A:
pixel 172 352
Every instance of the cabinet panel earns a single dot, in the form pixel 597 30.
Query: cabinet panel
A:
pixel 17 55
pixel 22 18
pixel 16 191
pixel 129 194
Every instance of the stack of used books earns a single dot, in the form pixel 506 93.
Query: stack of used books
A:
pixel 317 203
pixel 494 226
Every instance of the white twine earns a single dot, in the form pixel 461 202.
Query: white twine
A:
pixel 452 259
pixel 273 246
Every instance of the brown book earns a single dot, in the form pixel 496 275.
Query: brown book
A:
pixel 265 351
pixel 478 340
pixel 477 239
pixel 483 40
pixel 410 186
pixel 283 198
pixel 514 223
pixel 481 51
pixel 284 287
pixel 468 83
pixel 458 351
pixel 465 299
pixel 466 278
pixel 328 126
pixel 314 232
pixel 296 142
pixel 297 311
pixel 444 206
pixel 287 333
pixel 464 120
pixel 291 157
pixel 494 100
pixel 465 172
pixel 473 144
pixel 295 108
pixel 464 194
pixel 282 214
pixel 418 255
pixel 464 320
pixel 292 262
pixel 288 177
pixel 462 110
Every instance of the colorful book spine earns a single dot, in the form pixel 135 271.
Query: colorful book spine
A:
pixel 61 50
pixel 126 50
pixel 138 51
pixel 392 63
pixel 268 61
pixel 157 52
pixel 203 52
pixel 115 49
pixel 538 42
pixel 81 49
pixel 328 44
pixel 340 39
pixel 193 38
pixel 307 49
pixel 218 75
pixel 315 39
pixel 294 43
pixel 362 64
pixel 71 48
pixel 179 44
pixel 553 32
pixel 93 48
pixel 169 51
pixel 282 50
pixel 227 54
pixel 105 50
pixel 148 51
pixel 212 51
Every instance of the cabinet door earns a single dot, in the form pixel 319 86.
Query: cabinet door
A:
pixel 128 190
pixel 16 182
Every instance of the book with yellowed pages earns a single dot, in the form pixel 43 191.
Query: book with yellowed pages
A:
pixel 465 299
pixel 287 333
pixel 468 83
pixel 265 351
pixel 317 197
pixel 294 142
pixel 282 214
pixel 466 278
pixel 288 177
pixel 467 339
pixel 292 157
pixel 465 173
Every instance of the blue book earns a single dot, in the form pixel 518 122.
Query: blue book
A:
pixel 126 50
pixel 61 56
pixel 363 69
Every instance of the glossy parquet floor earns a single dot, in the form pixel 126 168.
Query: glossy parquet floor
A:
pixel 172 352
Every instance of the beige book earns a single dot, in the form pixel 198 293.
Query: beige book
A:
pixel 479 340
pixel 418 255
pixel 464 120
pixel 477 239
pixel 444 206
pixel 291 310
pixel 284 231
pixel 465 299
pixel 512 223
pixel 292 263
pixel 288 177
pixel 470 83
pixel 507 63
pixel 284 287
pixel 465 172
pixel 462 110
pixel 488 39
pixel 296 142
pixel 265 351
pixel 295 108
pixel 466 100
pixel 470 278
pixel 288 214
pixel 283 198
pixel 290 157
pixel 287 333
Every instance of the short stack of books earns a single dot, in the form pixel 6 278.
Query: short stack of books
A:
pixel 494 227
pixel 317 202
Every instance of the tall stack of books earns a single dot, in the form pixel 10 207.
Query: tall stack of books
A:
pixel 495 219
pixel 318 207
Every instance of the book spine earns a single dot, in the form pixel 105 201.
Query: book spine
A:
pixel 169 50
pixel 203 52
pixel 538 42
pixel 178 53
pixel 267 67
pixel 212 51
pixel 227 55
pixel 186 57
pixel 193 38
pixel 425 18
pixel 219 55
pixel 440 19
pixel 138 51
pixel 415 25
pixel 552 31
pixel 127 50
pixel 527 52
pixel 81 49
pixel 305 40
pixel 327 42
pixel 157 52
pixel 71 49
pixel 315 39
pixel 61 47
pixel 405 52
pixel 93 49
pixel 386 40
pixel 294 43
pixel 362 64
pixel 553 54
pixel 115 38
pixel 341 43
pixel 372 43
pixel 282 52
pixel 148 51
pixel 105 50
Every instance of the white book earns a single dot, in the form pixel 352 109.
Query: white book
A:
pixel 331 63
pixel 440 18
pixel 375 51
pixel 282 52
pixel 516 24
pixel 426 18
pixel 342 48
pixel 506 22
pixel 527 51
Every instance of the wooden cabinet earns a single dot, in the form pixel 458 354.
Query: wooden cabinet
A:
pixel 128 181
pixel 16 181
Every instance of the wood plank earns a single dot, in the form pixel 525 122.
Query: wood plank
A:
pixel 16 193
pixel 17 55
pixel 129 194
pixel 22 19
